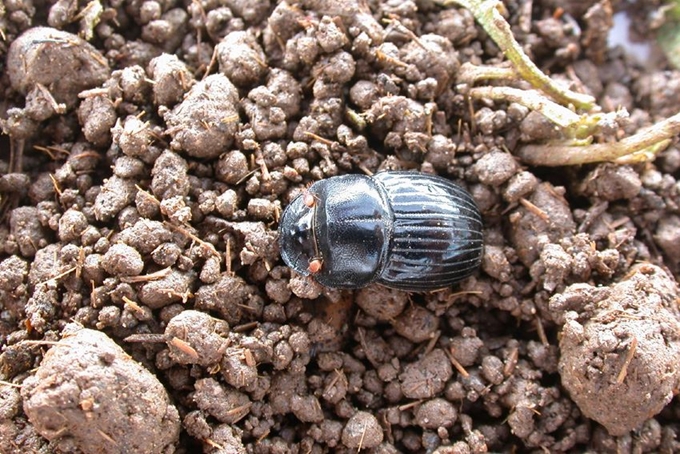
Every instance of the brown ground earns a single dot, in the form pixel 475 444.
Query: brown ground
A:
pixel 144 305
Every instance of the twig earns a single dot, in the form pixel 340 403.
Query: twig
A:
pixel 629 357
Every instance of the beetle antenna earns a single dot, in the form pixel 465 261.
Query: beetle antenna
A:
pixel 315 265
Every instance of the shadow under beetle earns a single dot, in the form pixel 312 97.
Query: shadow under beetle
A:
pixel 405 230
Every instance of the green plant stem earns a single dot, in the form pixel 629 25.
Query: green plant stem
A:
pixel 531 99
pixel 655 137
pixel 470 74
pixel 489 17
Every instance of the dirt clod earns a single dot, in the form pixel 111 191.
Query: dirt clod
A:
pixel 362 431
pixel 241 58
pixel 425 378
pixel 203 127
pixel 121 259
pixel 382 303
pixel 27 230
pixel 629 333
pixel 436 413
pixel 196 338
pixel 45 58
pixel 86 396
pixel 224 403
pixel 171 79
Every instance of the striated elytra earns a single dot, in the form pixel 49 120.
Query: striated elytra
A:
pixel 405 230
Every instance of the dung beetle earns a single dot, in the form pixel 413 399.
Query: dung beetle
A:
pixel 405 230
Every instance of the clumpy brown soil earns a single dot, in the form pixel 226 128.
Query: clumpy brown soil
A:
pixel 149 149
pixel 638 314
pixel 88 391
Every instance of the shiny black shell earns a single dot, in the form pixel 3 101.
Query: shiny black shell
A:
pixel 405 230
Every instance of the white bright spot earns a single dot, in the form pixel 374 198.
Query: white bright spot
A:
pixel 618 36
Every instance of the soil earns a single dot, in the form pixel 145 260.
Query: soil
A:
pixel 150 147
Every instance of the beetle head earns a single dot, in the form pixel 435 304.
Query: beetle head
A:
pixel 297 236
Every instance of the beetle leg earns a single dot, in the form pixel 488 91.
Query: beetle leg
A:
pixel 311 198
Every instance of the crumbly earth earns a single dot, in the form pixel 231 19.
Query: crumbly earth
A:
pixel 89 395
pixel 620 347
pixel 150 146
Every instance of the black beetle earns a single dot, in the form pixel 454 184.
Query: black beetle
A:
pixel 405 230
